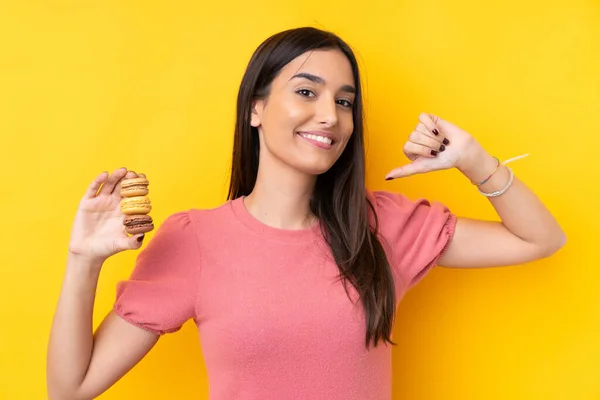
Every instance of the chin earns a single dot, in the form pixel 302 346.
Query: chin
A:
pixel 315 159
pixel 314 167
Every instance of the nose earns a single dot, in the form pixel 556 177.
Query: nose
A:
pixel 327 112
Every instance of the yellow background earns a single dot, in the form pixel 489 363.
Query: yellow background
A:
pixel 151 85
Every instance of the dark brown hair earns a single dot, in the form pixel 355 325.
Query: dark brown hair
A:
pixel 339 199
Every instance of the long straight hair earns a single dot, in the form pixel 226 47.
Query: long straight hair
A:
pixel 339 199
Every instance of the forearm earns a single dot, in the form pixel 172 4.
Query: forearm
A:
pixel 71 338
pixel 520 210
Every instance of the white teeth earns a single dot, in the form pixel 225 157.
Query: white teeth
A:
pixel 321 139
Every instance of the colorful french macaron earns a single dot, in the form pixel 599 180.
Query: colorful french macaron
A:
pixel 134 187
pixel 136 206
pixel 139 205
pixel 135 224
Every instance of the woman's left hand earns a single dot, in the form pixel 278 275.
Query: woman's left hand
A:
pixel 434 145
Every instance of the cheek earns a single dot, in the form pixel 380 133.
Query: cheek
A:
pixel 347 125
pixel 295 114
pixel 287 116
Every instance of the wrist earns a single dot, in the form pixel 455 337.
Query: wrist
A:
pixel 83 262
pixel 82 276
pixel 477 164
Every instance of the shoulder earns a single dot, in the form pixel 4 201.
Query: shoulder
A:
pixel 183 226
pixel 183 218
pixel 203 224
pixel 396 214
pixel 217 215
pixel 396 204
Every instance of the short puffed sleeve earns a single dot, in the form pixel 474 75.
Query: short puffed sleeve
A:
pixel 416 232
pixel 160 294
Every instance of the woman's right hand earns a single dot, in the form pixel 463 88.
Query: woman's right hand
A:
pixel 98 230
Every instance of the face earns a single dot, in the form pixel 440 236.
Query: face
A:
pixel 306 120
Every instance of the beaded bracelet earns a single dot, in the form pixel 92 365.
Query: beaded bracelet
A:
pixel 504 189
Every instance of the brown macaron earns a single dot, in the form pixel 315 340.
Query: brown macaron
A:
pixel 135 224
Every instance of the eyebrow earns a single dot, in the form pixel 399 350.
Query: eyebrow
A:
pixel 321 81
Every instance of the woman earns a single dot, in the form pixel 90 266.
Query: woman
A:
pixel 294 281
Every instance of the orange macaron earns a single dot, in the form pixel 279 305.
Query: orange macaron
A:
pixel 134 200
pixel 134 187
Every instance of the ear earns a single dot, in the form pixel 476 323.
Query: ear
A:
pixel 256 113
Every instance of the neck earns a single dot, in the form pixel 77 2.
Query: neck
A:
pixel 281 195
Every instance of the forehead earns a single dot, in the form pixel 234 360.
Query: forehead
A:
pixel 331 65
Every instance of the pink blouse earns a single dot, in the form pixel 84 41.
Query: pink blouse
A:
pixel 275 320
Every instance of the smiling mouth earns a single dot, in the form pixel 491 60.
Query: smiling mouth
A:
pixel 317 139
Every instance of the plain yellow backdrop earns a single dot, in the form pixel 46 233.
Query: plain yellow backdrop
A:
pixel 151 85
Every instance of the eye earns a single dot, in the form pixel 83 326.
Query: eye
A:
pixel 305 92
pixel 345 103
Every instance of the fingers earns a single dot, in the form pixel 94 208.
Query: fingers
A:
pixel 420 150
pixel 95 185
pixel 111 182
pixel 424 139
pixel 424 144
pixel 130 243
pixel 440 137
pixel 117 192
pixel 430 123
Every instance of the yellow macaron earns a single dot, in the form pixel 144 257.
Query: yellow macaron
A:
pixel 139 205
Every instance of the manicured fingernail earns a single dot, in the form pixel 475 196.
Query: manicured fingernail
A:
pixel 442 148
pixel 140 238
pixel 435 132
pixel 433 153
pixel 446 142
pixel 389 178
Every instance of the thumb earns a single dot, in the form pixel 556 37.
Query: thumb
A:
pixel 137 241
pixel 412 168
pixel 439 122
pixel 132 242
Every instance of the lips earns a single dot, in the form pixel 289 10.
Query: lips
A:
pixel 319 139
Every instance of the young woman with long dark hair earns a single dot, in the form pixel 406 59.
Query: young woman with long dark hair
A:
pixel 294 281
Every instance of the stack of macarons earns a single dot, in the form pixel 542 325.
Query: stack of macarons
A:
pixel 136 206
